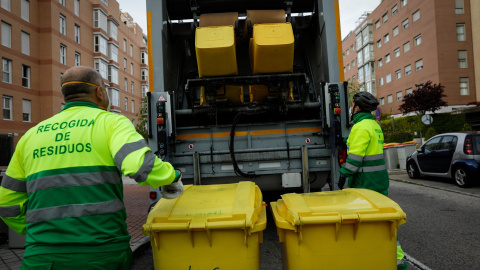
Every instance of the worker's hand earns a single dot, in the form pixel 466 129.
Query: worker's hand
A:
pixel 341 182
pixel 175 189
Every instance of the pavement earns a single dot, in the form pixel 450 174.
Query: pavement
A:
pixel 137 201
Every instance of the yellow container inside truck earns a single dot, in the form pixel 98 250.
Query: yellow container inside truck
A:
pixel 234 93
pixel 208 227
pixel 272 48
pixel 215 49
pixel 347 229
pixel 261 92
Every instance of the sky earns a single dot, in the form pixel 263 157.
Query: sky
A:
pixel 350 11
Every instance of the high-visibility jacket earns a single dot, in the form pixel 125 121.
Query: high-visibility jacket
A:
pixel 68 170
pixel 365 164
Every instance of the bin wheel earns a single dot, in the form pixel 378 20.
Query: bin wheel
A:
pixel 461 177
pixel 412 170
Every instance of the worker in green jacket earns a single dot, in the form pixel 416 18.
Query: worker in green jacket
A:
pixel 365 166
pixel 63 186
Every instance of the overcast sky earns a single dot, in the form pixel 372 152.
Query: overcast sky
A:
pixel 350 11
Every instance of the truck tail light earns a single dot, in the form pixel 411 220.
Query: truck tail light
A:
pixel 342 157
pixel 153 195
pixel 468 146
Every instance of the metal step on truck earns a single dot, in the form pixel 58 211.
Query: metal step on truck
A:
pixel 248 90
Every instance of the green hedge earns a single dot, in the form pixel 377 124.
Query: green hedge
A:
pixel 442 123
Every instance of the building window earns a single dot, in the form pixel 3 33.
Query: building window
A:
pixel 100 44
pixel 76 7
pixel 113 74
pixel 132 86
pixel 62 25
pixel 348 68
pixel 379 43
pixel 387 58
pixel 380 82
pixel 359 41
pixel 125 64
pixel 462 59
pixel 417 40
pixel 6 4
pixel 464 91
pixel 25 10
pixel 115 97
pixel 398 74
pixel 408 91
pixel 25 43
pixel 388 78
pixel 105 2
pixel 399 96
pixel 354 78
pixel 7 107
pixel 385 17
pixel 380 62
pixel 406 47
pixel 131 50
pixel 62 2
pixel 395 31
pixel 27 110
pixel 25 76
pixel 63 54
pixel 459 7
pixel 408 70
pixel 131 69
pixel 360 75
pixel 77 33
pixel 133 106
pixel 100 20
pixel 377 24
pixel 389 99
pixel 461 32
pixel 6 34
pixel 102 67
pixel 382 101
pixel 124 45
pixel 6 70
pixel 112 30
pixel 144 57
pixel 394 10
pixel 348 52
pixel 405 24
pixel 144 90
pixel 126 104
pixel 419 64
pixel 397 52
pixel 125 84
pixel 145 74
pixel 77 58
pixel 353 62
pixel 113 52
pixel 416 16
pixel 386 38
pixel 403 2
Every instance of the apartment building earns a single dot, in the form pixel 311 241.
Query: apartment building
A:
pixel 41 39
pixel 407 42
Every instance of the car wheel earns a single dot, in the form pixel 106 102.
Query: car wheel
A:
pixel 412 170
pixel 461 177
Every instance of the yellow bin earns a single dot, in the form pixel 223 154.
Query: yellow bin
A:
pixel 347 229
pixel 272 47
pixel 208 227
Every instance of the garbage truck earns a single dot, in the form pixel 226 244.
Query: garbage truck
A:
pixel 248 90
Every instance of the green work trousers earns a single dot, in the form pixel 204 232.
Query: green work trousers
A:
pixel 118 260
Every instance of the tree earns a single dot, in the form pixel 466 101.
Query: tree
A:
pixel 141 127
pixel 353 88
pixel 425 98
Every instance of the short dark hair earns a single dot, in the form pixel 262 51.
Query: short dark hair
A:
pixel 73 90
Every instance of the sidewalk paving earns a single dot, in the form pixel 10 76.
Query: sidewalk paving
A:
pixel 136 200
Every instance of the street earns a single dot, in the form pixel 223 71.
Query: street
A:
pixel 441 230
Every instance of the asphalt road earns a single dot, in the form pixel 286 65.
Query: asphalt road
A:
pixel 442 229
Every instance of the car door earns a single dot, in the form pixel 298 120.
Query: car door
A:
pixel 444 154
pixel 425 155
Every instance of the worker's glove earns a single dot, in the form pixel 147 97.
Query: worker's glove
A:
pixel 175 189
pixel 341 182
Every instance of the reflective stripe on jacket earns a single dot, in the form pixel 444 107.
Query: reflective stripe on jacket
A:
pixel 68 169
pixel 365 164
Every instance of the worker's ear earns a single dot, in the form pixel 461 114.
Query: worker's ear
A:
pixel 99 94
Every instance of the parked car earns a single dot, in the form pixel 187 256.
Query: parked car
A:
pixel 449 155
